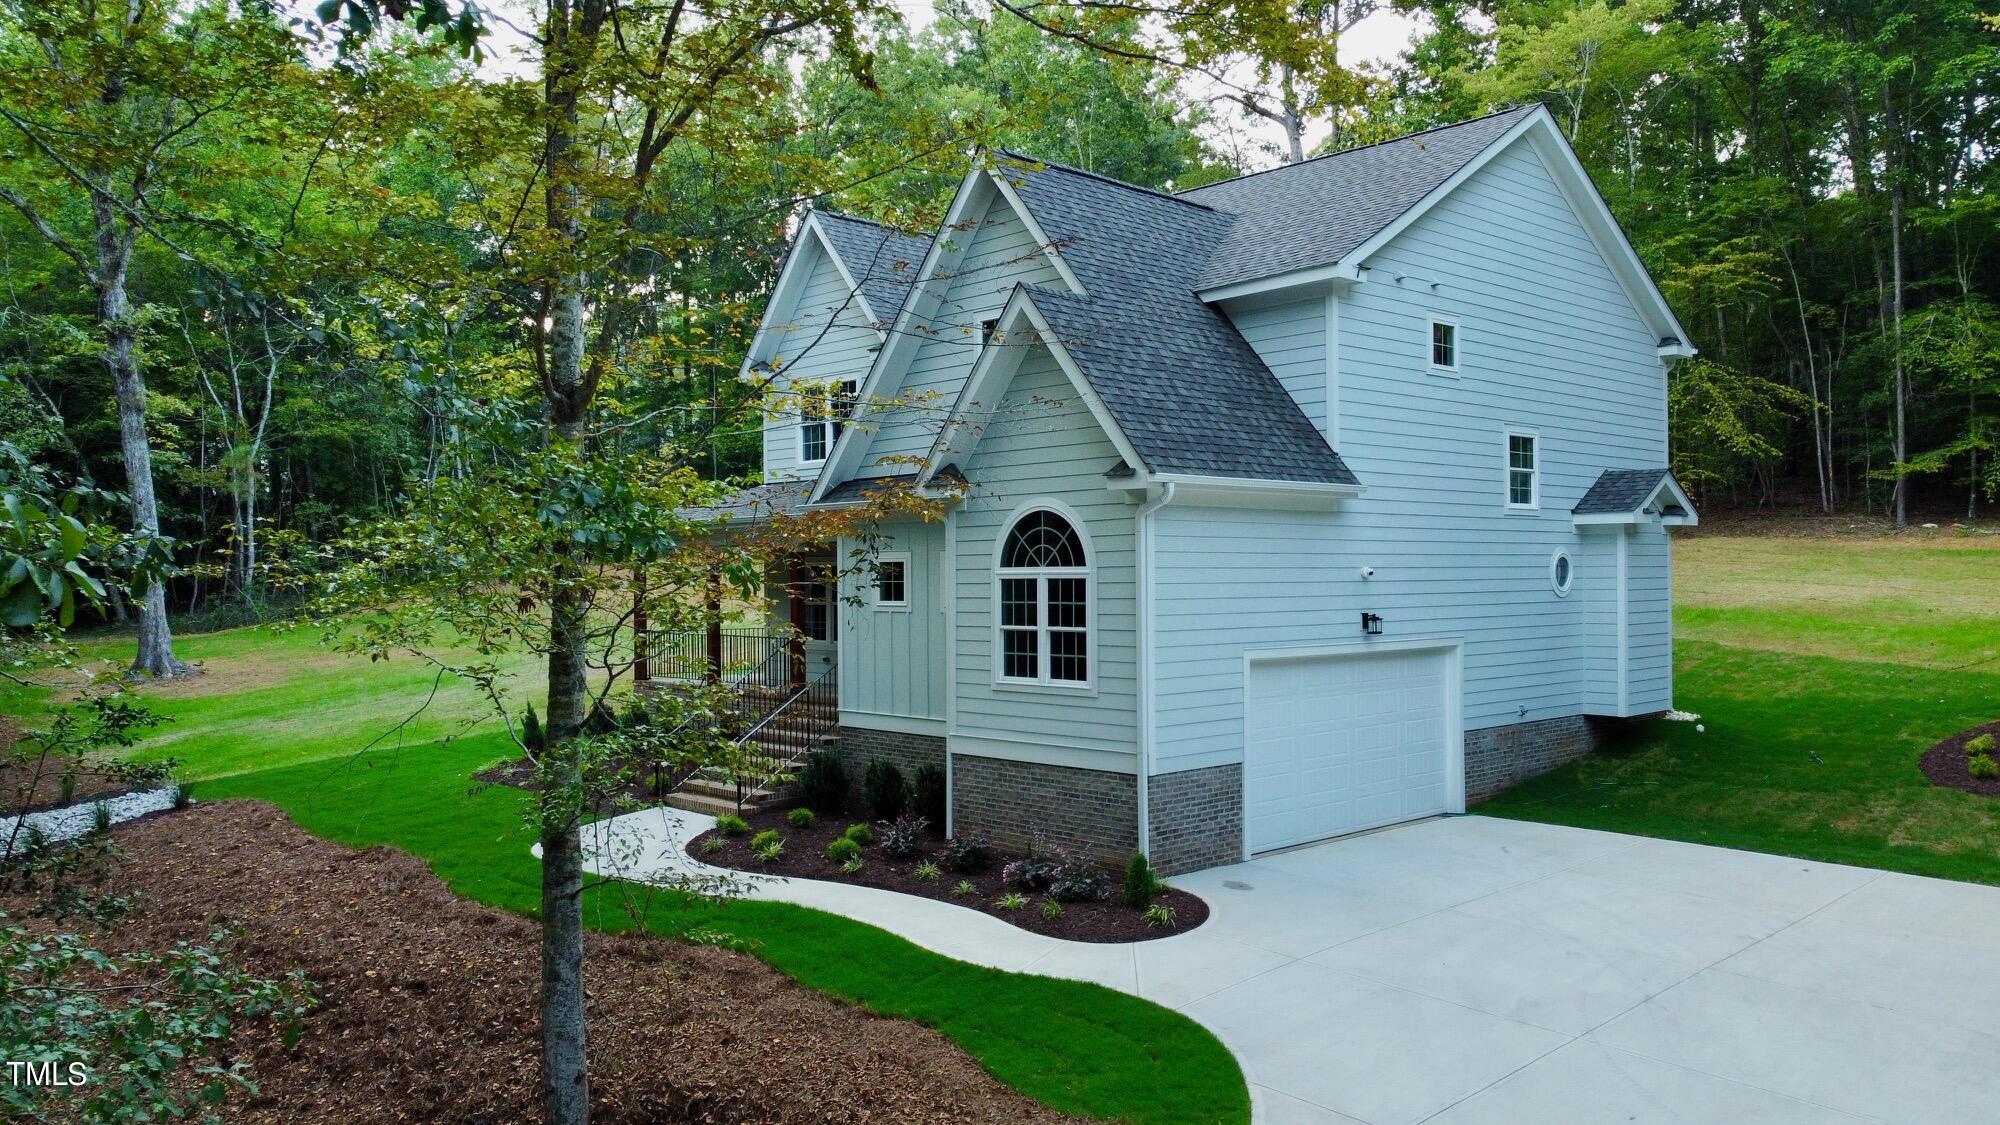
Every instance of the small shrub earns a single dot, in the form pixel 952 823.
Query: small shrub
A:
pixel 823 782
pixel 799 818
pixel 927 796
pixel 183 796
pixel 713 844
pixel 1979 744
pixel 765 839
pixel 1141 885
pixel 926 870
pixel 883 785
pixel 532 736
pixel 843 850
pixel 1029 874
pixel 600 721
pixel 1160 916
pixel 100 817
pixel 66 788
pixel 860 834
pixel 1983 767
pixel 967 853
pixel 731 825
pixel 852 866
pixel 1076 879
pixel 1012 900
pixel 771 850
pixel 963 888
pixel 904 838
pixel 1051 909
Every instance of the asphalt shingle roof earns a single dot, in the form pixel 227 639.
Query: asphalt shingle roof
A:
pixel 1303 216
pixel 1618 491
pixel 759 501
pixel 883 260
pixel 1178 379
pixel 857 489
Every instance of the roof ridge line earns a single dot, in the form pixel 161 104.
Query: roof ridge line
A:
pixel 1360 148
pixel 908 232
pixel 1112 180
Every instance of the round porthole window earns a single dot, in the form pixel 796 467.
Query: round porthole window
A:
pixel 1562 573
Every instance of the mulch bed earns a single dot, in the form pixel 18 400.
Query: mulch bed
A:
pixel 805 857
pixel 24 788
pixel 427 1002
pixel 1945 763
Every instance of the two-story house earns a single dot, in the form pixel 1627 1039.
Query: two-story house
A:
pixel 1298 504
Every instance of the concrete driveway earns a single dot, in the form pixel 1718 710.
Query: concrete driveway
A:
pixel 1481 970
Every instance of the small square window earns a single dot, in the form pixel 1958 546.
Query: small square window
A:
pixel 892 583
pixel 1444 345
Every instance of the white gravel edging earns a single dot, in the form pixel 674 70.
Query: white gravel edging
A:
pixel 71 821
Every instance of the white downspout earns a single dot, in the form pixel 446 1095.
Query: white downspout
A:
pixel 1143 533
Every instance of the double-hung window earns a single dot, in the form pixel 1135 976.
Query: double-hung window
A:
pixel 892 582
pixel 823 414
pixel 1444 346
pixel 1524 471
pixel 1044 593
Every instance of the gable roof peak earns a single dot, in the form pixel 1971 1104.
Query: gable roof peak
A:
pixel 1397 139
pixel 1044 162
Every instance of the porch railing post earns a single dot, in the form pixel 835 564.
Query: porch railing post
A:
pixel 796 611
pixel 714 607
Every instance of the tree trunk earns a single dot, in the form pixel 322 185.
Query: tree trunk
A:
pixel 564 1068
pixel 155 655
pixel 1896 316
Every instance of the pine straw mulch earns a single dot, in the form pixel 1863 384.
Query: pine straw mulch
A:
pixel 427 1001
pixel 1945 763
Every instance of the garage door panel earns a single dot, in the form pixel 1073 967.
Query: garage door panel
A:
pixel 1341 744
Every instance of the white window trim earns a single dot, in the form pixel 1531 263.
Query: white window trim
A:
pixel 875 589
pixel 1457 345
pixel 1507 437
pixel 1556 583
pixel 1087 572
pixel 832 388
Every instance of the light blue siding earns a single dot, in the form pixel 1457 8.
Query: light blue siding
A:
pixel 825 335
pixel 892 661
pixel 1291 340
pixel 1000 253
pixel 1649 606
pixel 1046 446
pixel 1547 340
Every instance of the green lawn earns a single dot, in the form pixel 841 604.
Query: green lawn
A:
pixel 1821 670
pixel 278 720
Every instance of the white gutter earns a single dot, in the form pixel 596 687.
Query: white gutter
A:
pixel 1143 534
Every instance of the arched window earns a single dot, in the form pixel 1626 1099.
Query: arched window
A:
pixel 1044 602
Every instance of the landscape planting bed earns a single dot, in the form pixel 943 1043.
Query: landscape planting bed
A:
pixel 427 1001
pixel 1947 763
pixel 805 857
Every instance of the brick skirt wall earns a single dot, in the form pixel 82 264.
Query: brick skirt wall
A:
pixel 1498 758
pixel 1196 818
pixel 859 746
pixel 1092 811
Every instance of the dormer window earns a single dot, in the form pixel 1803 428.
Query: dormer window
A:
pixel 825 413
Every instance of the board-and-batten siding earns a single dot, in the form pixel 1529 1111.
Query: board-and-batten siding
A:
pixel 1000 253
pixel 1547 340
pixel 826 335
pixel 1291 340
pixel 892 661
pixel 1046 445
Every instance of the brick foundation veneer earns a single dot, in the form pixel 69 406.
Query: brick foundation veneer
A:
pixel 1005 802
pixel 859 746
pixel 1498 758
pixel 1196 818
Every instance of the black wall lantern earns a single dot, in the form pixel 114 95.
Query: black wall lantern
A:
pixel 1371 624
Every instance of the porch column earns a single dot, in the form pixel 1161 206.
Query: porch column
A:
pixel 795 586
pixel 713 604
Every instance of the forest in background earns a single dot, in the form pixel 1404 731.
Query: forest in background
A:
pixel 320 299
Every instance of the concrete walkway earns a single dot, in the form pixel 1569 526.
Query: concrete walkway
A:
pixel 1482 970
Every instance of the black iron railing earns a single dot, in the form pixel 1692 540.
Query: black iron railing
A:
pixel 774 745
pixel 739 654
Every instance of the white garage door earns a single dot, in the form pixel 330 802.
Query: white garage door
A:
pixel 1337 744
